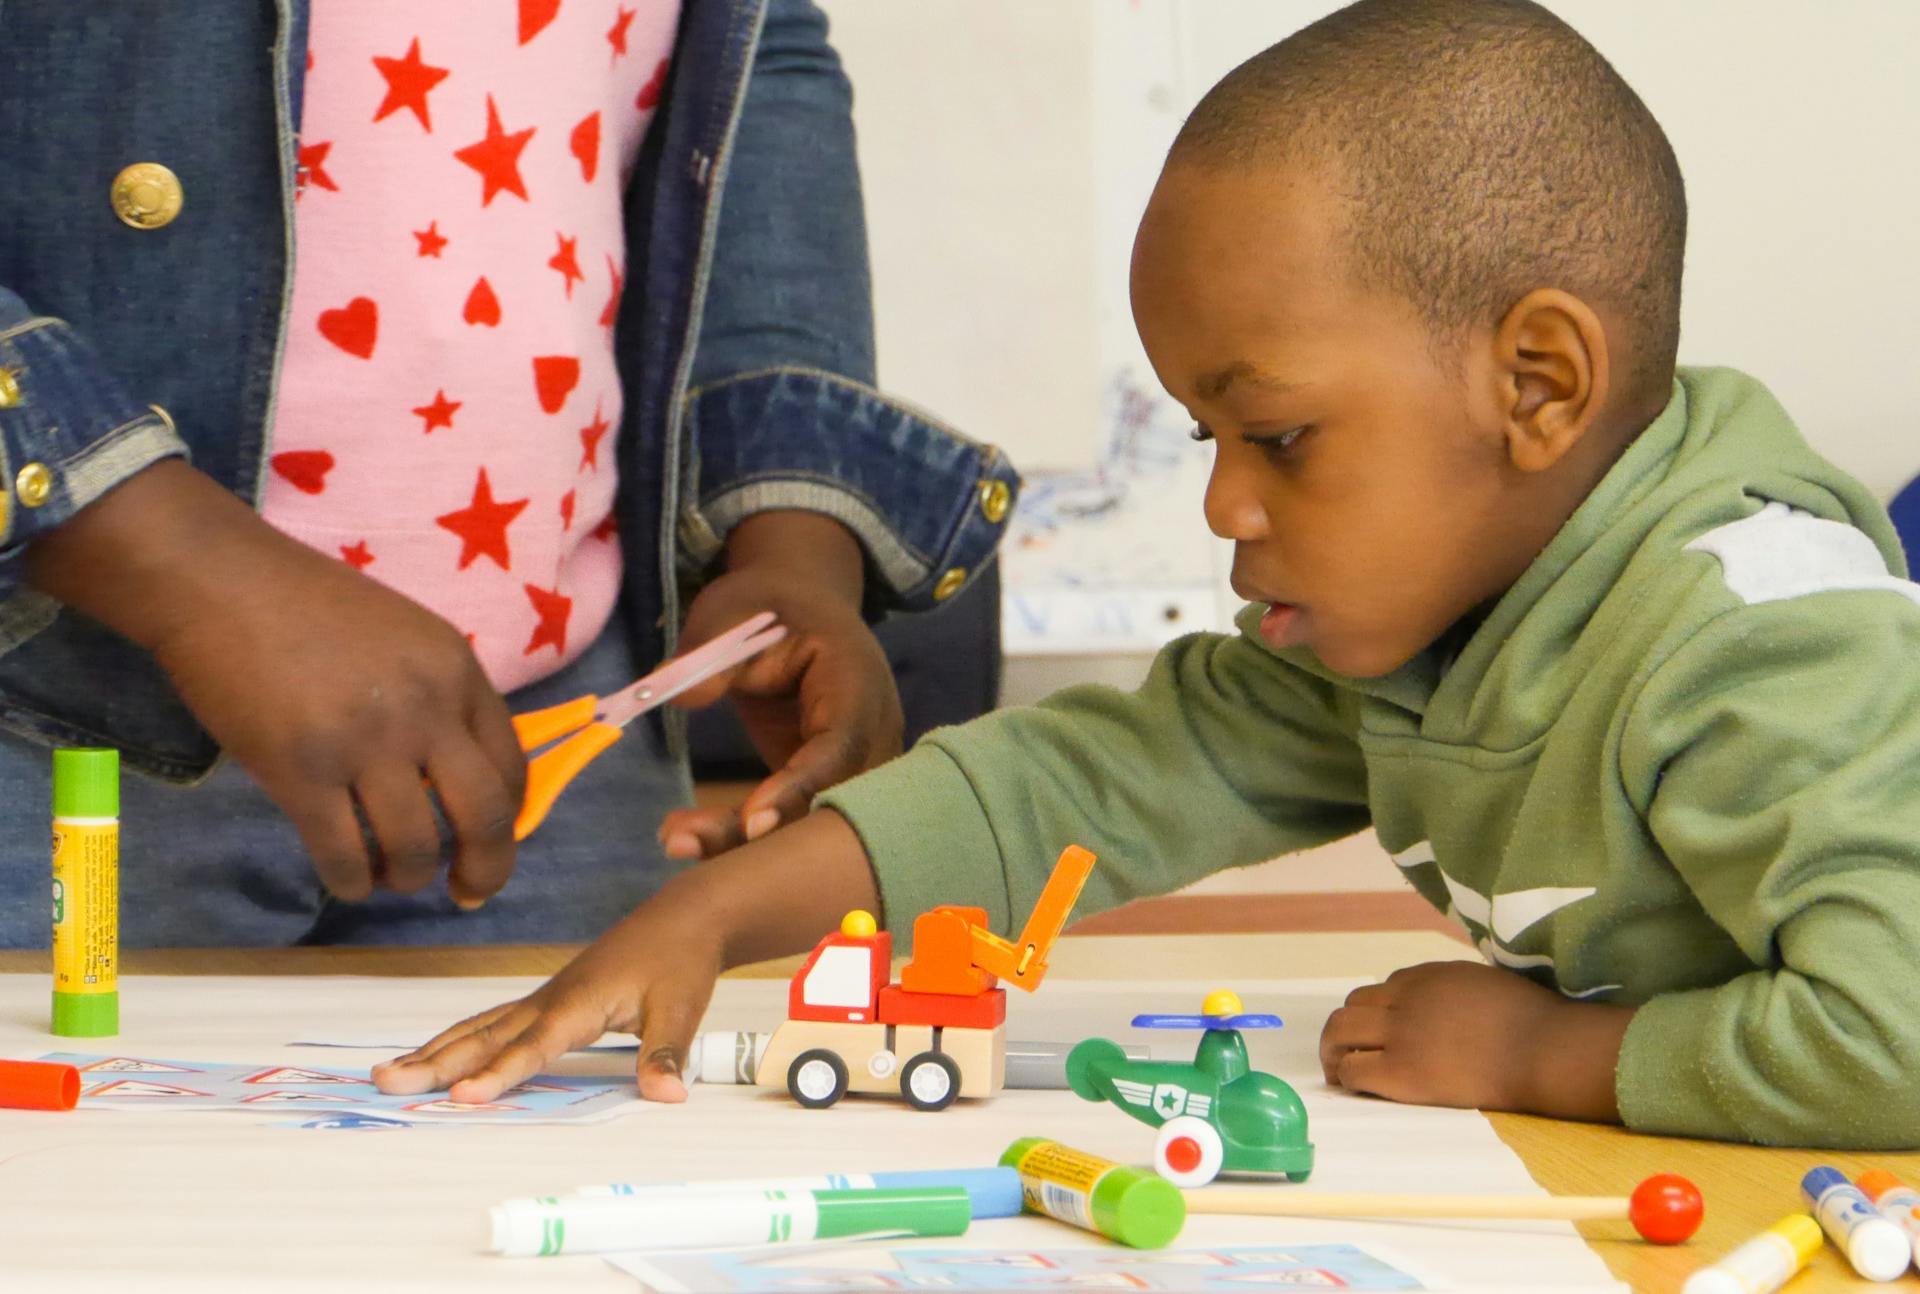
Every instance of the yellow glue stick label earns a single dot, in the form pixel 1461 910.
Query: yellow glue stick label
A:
pixel 86 907
pixel 1058 1181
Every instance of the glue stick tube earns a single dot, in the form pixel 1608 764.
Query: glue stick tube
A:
pixel 1126 1204
pixel 1764 1263
pixel 1877 1248
pixel 1897 1202
pixel 86 893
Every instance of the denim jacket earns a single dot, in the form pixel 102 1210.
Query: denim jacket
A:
pixel 744 339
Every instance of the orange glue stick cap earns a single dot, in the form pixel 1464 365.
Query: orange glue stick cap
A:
pixel 38 1085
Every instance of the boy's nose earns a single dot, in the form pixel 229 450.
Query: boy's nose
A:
pixel 1233 511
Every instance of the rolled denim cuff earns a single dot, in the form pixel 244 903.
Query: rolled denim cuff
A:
pixel 68 432
pixel 927 504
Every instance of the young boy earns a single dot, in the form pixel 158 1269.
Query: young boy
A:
pixel 1623 674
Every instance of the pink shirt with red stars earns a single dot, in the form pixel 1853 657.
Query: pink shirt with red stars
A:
pixel 448 393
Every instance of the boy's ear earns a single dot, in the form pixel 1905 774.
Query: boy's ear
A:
pixel 1551 353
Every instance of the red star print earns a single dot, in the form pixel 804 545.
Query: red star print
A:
pixel 408 81
pixel 431 240
pixel 482 525
pixel 313 167
pixel 605 530
pixel 617 34
pixel 566 511
pixel 649 96
pixel 567 262
pixel 590 440
pixel 359 556
pixel 497 158
pixel 553 611
pixel 612 311
pixel 439 413
pixel 534 17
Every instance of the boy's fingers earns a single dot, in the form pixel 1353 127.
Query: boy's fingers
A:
pixel 432 1046
pixel 330 830
pixel 481 814
pixel 401 817
pixel 1347 1029
pixel 456 1059
pixel 672 1015
pixel 1366 1072
pixel 553 1033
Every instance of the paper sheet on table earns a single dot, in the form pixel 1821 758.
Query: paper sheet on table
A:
pixel 845 1270
pixel 179 1086
pixel 92 1199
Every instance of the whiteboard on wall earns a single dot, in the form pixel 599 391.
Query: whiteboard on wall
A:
pixel 1008 149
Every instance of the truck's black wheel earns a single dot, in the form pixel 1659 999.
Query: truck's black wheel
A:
pixel 817 1078
pixel 930 1081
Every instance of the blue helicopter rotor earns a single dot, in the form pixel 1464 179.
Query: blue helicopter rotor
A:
pixel 1245 1020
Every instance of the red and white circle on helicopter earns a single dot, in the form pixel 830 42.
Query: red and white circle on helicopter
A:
pixel 1188 1151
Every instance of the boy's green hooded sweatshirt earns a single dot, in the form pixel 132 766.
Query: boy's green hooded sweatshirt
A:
pixel 1677 766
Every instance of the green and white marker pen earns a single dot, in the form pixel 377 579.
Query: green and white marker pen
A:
pixel 610 1224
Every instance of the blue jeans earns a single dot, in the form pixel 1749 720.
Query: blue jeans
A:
pixel 217 865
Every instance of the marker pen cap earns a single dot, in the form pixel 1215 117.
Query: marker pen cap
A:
pixel 1876 1182
pixel 919 1211
pixel 38 1085
pixel 1876 1247
pixel 86 783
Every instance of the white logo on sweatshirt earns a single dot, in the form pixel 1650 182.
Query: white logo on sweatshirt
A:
pixel 1498 919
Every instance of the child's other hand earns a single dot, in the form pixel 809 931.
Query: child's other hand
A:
pixel 820 705
pixel 651 975
pixel 1475 1036
pixel 328 688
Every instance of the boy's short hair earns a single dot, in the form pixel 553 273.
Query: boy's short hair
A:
pixel 1486 150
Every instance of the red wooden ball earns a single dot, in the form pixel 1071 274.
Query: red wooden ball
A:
pixel 1665 1209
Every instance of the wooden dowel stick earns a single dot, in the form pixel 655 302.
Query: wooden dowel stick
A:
pixel 1286 1203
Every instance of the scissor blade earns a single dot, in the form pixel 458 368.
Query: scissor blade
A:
pixel 740 643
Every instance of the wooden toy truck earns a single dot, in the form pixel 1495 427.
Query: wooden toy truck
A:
pixel 936 1035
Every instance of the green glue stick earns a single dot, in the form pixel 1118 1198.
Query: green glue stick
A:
pixel 1130 1205
pixel 86 893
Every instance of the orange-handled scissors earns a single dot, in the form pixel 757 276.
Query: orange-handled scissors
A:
pixel 595 723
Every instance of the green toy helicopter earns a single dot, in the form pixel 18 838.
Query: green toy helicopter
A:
pixel 1217 1115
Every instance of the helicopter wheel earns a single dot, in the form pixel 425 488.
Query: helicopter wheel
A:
pixel 1188 1151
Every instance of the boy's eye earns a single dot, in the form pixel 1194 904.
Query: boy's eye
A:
pixel 1280 445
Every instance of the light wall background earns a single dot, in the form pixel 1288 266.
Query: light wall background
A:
pixel 1007 154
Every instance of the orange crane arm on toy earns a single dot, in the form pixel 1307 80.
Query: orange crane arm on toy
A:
pixel 954 952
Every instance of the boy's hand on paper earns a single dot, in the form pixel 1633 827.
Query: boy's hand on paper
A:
pixel 650 975
pixel 653 974
pixel 821 705
pixel 336 694
pixel 1474 1036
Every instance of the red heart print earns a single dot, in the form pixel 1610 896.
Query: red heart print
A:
pixel 304 469
pixel 585 142
pixel 482 306
pixel 534 17
pixel 354 327
pixel 554 377
pixel 650 92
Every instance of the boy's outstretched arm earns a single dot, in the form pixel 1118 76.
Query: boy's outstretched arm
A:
pixel 651 975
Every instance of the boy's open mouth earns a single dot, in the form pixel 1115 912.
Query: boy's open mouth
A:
pixel 1283 625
